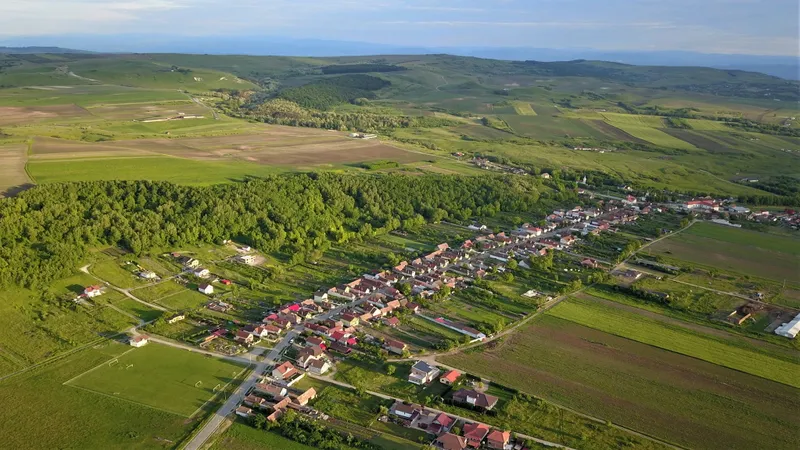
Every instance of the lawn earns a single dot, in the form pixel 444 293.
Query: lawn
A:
pixel 161 377
pixel 138 309
pixel 664 394
pixel 749 252
pixel 677 339
pixel 157 291
pixel 188 299
pixel 115 271
pixel 105 422
pixel 375 378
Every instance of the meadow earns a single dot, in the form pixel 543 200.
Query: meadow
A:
pixel 160 377
pixel 764 255
pixel 106 422
pixel 661 393
pixel 244 437
pixel 678 339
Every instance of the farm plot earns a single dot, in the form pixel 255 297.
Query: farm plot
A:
pixel 635 120
pixel 701 141
pixel 653 135
pixel 183 300
pixel 765 255
pixel 736 354
pixel 13 115
pixel 548 127
pixel 523 109
pixel 13 177
pixel 161 377
pixel 133 111
pixel 671 396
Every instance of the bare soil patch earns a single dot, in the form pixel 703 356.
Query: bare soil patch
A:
pixel 13 178
pixel 13 115
pixel 615 132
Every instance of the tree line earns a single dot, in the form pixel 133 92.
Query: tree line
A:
pixel 47 231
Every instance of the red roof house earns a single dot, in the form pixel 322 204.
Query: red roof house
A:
pixel 475 433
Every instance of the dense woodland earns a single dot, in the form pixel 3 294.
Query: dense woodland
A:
pixel 330 92
pixel 46 231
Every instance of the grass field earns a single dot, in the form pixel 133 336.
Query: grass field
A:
pixel 635 120
pixel 653 135
pixel 674 397
pixel 677 339
pixel 187 299
pixel 106 422
pixel 749 252
pixel 161 377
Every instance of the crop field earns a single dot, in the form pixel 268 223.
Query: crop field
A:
pixel 653 135
pixel 732 353
pixel 11 115
pixel 765 255
pixel 523 109
pixel 702 141
pixel 161 377
pixel 462 311
pixel 671 396
pixel 635 120
pixel 13 177
pixel 144 111
pixel 107 422
pixel 84 96
pixel 548 127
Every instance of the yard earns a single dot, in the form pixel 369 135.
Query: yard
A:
pixel 160 377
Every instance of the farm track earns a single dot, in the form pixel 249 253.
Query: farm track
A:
pixel 126 292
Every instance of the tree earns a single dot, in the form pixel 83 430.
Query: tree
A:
pixel 390 370
pixel 512 264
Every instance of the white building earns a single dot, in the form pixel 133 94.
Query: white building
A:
pixel 206 289
pixel 139 341
pixel 790 329
pixel 202 273
pixel 148 275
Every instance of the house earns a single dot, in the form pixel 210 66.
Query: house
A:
pixel 450 441
pixel 567 240
pixel 206 289
pixel 271 390
pixel 413 307
pixel 176 318
pixel 318 366
pixel 498 440
pixel 590 263
pixel 789 329
pixel 244 411
pixel 392 322
pixel 148 275
pixel 272 330
pixel 350 319
pixel 202 273
pixel 450 377
pixel 244 337
pixel 284 371
pixel 139 341
pixel 225 282
pixel 475 433
pixel 422 373
pixel 475 398
pixel 254 401
pixel 316 342
pixel 395 346
pixel 306 396
pixel 404 410
pixel 189 262
pixel 340 348
pixel 93 291
pixel 246 259
pixel 309 354
pixel 443 422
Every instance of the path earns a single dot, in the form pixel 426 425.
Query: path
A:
pixel 328 379
pixel 438 88
pixel 196 100
pixel 126 292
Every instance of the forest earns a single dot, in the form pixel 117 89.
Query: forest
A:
pixel 47 231
pixel 330 92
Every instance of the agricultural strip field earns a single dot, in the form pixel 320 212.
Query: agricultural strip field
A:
pixel 670 336
pixel 161 377
pixel 12 115
pixel 671 396
pixel 105 422
pixel 13 177
pixel 654 136
pixel 548 127
pixel 523 109
pixel 765 255
pixel 243 437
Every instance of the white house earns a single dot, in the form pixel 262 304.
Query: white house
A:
pixel 206 289
pixel 139 341
pixel 148 275
pixel 93 291
pixel 202 273
pixel 423 373
pixel 789 329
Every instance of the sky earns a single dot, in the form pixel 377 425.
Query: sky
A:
pixel 754 27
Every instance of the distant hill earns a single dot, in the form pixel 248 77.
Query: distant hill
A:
pixel 33 50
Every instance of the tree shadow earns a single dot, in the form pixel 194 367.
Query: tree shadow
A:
pixel 13 191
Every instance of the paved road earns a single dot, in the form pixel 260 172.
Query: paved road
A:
pixel 466 419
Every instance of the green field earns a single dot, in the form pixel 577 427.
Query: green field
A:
pixel 749 252
pixel 523 109
pixel 176 170
pixel 634 120
pixel 188 299
pixel 106 422
pixel 161 377
pixel 677 339
pixel 680 399
pixel 653 135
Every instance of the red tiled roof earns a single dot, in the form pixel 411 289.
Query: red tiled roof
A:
pixel 452 376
